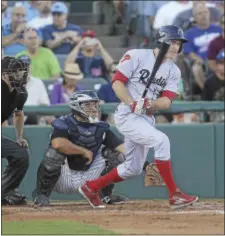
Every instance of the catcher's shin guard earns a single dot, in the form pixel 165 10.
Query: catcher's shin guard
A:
pixel 49 172
pixel 15 171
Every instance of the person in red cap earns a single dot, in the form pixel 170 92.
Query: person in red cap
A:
pixel 91 56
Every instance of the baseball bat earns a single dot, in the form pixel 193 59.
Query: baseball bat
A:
pixel 162 52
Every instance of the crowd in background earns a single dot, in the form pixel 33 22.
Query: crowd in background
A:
pixel 40 33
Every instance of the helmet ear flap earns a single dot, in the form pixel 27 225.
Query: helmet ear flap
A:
pixel 181 48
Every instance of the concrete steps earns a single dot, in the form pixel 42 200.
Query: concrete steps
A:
pixel 82 18
pixel 111 41
pixel 102 30
pixel 116 53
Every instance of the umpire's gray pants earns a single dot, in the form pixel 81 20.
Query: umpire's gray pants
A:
pixel 18 162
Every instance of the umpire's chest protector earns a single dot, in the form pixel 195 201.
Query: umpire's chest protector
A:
pixel 87 135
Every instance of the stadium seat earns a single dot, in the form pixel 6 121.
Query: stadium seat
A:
pixel 86 83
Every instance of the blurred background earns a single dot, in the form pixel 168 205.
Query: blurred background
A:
pixel 73 45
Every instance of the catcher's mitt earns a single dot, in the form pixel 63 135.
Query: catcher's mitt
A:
pixel 112 157
pixel 152 176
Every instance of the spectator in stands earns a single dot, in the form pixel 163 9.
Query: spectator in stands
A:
pixel 44 63
pixel 12 33
pixel 6 13
pixel 62 90
pixel 84 54
pixel 61 36
pixel 215 47
pixel 138 19
pixel 31 8
pixel 37 94
pixel 199 38
pixel 109 14
pixel 168 12
pixel 214 87
pixel 45 17
pixel 185 18
pixel 106 94
pixel 151 8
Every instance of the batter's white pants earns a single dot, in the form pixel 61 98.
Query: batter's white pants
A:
pixel 70 180
pixel 140 135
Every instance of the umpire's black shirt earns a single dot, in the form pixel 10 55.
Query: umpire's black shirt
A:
pixel 11 101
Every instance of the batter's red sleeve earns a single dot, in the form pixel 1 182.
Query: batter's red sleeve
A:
pixel 119 76
pixel 171 95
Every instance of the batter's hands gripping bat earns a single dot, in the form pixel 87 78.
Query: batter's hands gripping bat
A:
pixel 141 106
pixel 162 52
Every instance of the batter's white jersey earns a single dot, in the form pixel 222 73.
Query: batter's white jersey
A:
pixel 137 65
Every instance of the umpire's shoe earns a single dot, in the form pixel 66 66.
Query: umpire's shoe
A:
pixel 41 200
pixel 13 198
pixel 92 197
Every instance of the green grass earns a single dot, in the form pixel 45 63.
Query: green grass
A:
pixel 51 227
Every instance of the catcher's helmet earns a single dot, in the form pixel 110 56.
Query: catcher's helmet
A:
pixel 170 32
pixel 17 71
pixel 79 104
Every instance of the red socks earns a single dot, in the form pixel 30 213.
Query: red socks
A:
pixel 164 168
pixel 103 181
pixel 165 171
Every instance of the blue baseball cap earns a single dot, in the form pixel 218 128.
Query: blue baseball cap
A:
pixel 220 55
pixel 59 7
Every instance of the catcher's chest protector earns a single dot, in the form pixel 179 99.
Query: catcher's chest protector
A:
pixel 87 135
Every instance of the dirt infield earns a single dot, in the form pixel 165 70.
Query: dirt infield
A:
pixel 134 217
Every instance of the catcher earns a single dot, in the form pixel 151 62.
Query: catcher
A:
pixel 76 153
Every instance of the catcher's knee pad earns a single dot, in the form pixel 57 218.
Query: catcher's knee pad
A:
pixel 162 150
pixel 113 159
pixel 15 170
pixel 49 172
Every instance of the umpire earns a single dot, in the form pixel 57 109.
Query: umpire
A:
pixel 14 95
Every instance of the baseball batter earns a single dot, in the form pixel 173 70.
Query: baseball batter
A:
pixel 134 116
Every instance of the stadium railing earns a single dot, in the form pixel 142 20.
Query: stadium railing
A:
pixel 109 108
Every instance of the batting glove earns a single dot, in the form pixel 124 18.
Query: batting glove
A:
pixel 141 106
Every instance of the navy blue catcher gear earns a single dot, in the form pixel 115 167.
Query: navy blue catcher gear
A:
pixel 79 104
pixel 170 32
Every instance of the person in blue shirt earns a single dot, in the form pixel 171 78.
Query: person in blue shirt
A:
pixel 6 13
pixel 199 38
pixel 12 33
pixel 31 8
pixel 61 36
pixel 106 94
pixel 91 56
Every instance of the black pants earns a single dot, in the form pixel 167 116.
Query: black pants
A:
pixel 18 162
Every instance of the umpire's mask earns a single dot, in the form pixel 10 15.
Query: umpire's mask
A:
pixel 17 72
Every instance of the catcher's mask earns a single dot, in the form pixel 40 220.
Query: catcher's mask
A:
pixel 86 105
pixel 17 71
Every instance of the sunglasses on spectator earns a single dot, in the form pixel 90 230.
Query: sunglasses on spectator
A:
pixel 113 71
pixel 57 13
pixel 19 14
